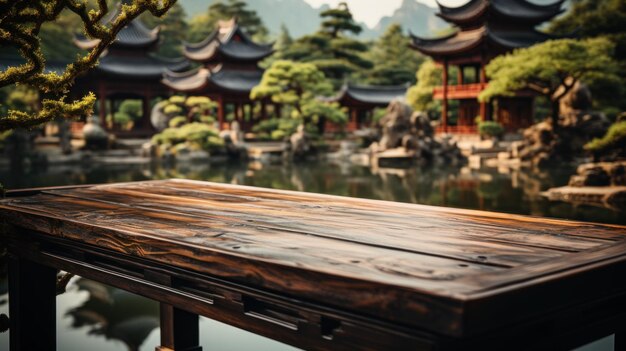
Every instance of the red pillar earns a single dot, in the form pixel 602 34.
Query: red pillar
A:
pixel 444 108
pixel 483 82
pixel 354 114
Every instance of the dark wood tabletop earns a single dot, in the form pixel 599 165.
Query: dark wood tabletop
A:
pixel 451 271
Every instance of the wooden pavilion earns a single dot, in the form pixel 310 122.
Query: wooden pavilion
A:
pixel 361 100
pixel 229 70
pixel 486 29
pixel 128 70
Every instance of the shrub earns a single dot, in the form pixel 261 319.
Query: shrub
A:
pixel 490 129
pixel 196 134
pixel 177 121
pixel 614 138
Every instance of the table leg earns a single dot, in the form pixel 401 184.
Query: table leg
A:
pixel 620 340
pixel 32 305
pixel 180 330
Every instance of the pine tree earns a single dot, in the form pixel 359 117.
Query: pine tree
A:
pixel 203 24
pixel 394 62
pixel 332 49
pixel 173 30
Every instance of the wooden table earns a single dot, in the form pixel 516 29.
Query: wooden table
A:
pixel 315 271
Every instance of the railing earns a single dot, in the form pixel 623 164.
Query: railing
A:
pixel 457 129
pixel 464 91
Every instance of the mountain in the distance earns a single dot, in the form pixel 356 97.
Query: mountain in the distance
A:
pixel 301 18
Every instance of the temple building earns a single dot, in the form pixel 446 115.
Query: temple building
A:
pixel 128 69
pixel 229 69
pixel 361 100
pixel 486 29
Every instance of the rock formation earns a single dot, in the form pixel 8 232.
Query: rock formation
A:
pixel 96 138
pixel 405 134
pixel 578 124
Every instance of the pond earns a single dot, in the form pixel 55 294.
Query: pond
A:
pixel 96 317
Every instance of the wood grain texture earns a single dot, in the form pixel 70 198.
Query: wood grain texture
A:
pixel 429 267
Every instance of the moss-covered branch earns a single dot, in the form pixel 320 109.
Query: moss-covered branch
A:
pixel 20 22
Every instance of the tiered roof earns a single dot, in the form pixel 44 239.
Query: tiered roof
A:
pixel 216 79
pixel 227 43
pixel 477 11
pixel 230 60
pixel 495 25
pixel 369 94
pixel 129 56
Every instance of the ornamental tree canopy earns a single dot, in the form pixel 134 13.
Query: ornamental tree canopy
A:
pixel 551 69
pixel 297 86
pixel 20 28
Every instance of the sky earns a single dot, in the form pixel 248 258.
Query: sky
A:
pixel 371 11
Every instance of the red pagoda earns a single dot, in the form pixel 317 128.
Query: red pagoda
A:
pixel 486 29
pixel 128 69
pixel 229 70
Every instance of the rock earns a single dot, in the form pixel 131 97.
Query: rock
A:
pixel 618 174
pixel 96 138
pixel 300 144
pixel 543 147
pixel 149 150
pixel 412 132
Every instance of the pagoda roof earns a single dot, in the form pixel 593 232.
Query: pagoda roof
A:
pixel 510 10
pixel 144 66
pixel 220 78
pixel 466 40
pixel 136 35
pixel 371 94
pixel 227 42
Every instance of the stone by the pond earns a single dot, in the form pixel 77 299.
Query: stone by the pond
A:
pixel 96 138
pixel 411 134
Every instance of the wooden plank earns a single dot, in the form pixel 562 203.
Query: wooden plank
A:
pixel 361 231
pixel 432 219
pixel 32 305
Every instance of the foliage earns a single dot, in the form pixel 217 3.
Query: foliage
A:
pixel 202 25
pixel 614 139
pixel 190 109
pixel 195 134
pixel 394 62
pixel 332 49
pixel 592 19
pixel 20 27
pixel 420 96
pixel 173 30
pixel 129 110
pixel 298 86
pixel 551 68
pixel 282 44
pixel 177 121
pixel 490 129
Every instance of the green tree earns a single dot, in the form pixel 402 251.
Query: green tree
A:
pixel 297 87
pixel 592 19
pixel 202 25
pixel 332 49
pixel 420 96
pixel 174 29
pixel 551 69
pixel 20 28
pixel 394 61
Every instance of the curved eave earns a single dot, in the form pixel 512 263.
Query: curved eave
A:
pixel 449 45
pixel 468 12
pixel 145 67
pixel 241 82
pixel 524 11
pixel 193 80
pixel 517 40
pixel 379 96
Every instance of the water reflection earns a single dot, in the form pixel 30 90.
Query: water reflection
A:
pixel 502 190
pixel 115 314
